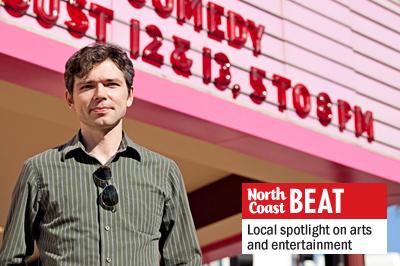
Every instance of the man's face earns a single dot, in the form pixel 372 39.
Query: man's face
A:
pixel 101 98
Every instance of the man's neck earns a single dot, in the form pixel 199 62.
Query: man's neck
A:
pixel 102 144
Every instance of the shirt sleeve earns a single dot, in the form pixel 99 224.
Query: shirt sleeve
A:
pixel 19 231
pixel 178 243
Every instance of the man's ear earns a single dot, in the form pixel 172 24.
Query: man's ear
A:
pixel 130 97
pixel 69 99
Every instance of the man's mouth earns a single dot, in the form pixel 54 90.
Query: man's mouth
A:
pixel 100 109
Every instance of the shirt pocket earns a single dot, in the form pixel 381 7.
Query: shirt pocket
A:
pixel 141 207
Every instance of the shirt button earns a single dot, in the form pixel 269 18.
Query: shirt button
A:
pixel 107 228
pixel 108 260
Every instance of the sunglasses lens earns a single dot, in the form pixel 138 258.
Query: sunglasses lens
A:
pixel 103 173
pixel 109 196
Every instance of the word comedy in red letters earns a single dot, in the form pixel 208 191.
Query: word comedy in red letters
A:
pixel 238 30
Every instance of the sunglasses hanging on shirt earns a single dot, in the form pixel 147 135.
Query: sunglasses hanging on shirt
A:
pixel 108 198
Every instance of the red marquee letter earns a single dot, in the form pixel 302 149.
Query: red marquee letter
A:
pixel 214 13
pixel 103 16
pixel 256 34
pixel 135 38
pixel 44 19
pixel 137 3
pixel 206 65
pixel 150 52
pixel 190 8
pixel 236 24
pixel 79 23
pixel 363 122
pixel 324 111
pixel 16 8
pixel 344 114
pixel 224 78
pixel 283 84
pixel 180 63
pixel 302 107
pixel 161 10
pixel 256 81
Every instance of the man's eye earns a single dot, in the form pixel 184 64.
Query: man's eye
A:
pixel 112 85
pixel 86 87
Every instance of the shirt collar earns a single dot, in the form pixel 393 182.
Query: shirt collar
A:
pixel 126 148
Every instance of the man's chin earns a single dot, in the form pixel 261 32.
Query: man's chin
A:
pixel 105 124
pixel 101 123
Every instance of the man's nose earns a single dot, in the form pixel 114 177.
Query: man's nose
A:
pixel 101 91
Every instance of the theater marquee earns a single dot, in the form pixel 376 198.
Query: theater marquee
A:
pixel 212 67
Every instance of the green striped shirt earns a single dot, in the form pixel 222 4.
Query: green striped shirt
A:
pixel 55 203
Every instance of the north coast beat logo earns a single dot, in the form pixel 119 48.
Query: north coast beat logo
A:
pixel 314 218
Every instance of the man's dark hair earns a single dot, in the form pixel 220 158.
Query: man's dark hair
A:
pixel 80 63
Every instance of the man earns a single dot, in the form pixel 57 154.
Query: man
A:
pixel 100 199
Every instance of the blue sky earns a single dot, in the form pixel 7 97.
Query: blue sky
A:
pixel 394 229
